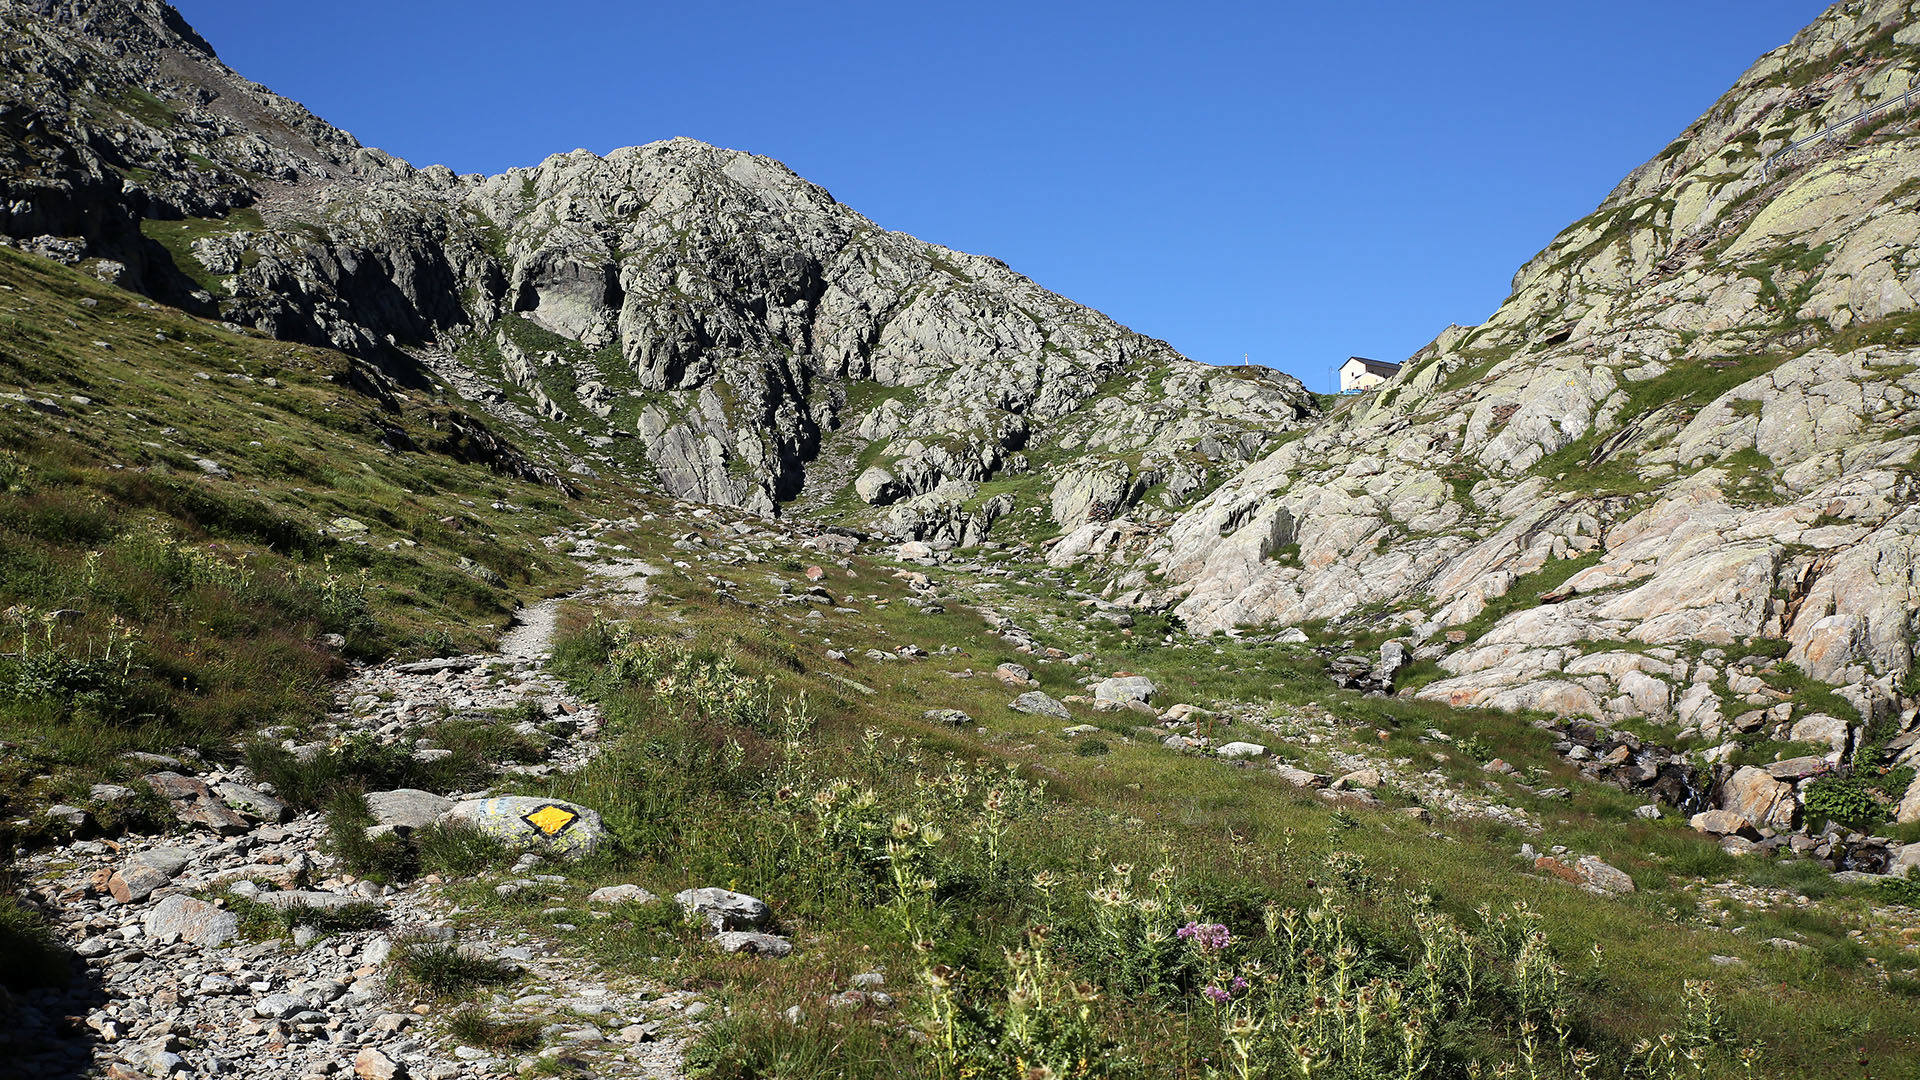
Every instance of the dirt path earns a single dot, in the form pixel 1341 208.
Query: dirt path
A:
pixel 171 989
pixel 531 634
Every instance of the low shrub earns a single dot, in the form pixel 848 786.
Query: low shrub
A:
pixel 1842 799
pixel 352 763
pixel 263 920
pixel 386 859
pixel 456 851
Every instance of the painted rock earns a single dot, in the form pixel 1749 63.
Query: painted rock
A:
pixel 547 825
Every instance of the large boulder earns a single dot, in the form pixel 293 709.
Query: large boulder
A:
pixel 1091 494
pixel 195 803
pixel 749 943
pixel 1829 731
pixel 1038 704
pixel 253 802
pixel 724 909
pixel 1905 859
pixel 1124 688
pixel 1603 876
pixel 1909 809
pixel 141 874
pixel 877 487
pixel 1759 798
pixel 1719 823
pixel 546 825
pixel 407 808
pixel 193 921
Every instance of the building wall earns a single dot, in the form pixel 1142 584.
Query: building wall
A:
pixel 1357 377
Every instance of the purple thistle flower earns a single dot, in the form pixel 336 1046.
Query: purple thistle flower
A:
pixel 1216 995
pixel 1209 937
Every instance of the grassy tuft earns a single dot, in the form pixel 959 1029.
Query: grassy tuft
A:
pixel 443 971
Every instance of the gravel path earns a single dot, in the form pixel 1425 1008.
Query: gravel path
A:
pixel 531 634
pixel 170 990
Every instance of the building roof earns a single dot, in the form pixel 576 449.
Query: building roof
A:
pixel 1381 368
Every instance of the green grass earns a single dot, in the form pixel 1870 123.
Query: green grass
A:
pixel 442 971
pixel 1525 592
pixel 154 606
pixel 688 809
pixel 1020 891
pixel 30 955
pixel 258 920
pixel 177 237
pixel 473 1026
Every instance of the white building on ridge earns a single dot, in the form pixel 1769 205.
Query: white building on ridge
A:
pixel 1360 373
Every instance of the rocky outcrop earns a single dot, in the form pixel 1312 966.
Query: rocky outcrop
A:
pixel 1674 462
pixel 750 335
pixel 1679 453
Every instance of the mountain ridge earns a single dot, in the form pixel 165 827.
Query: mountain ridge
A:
pixel 1636 425
pixel 708 269
pixel 377 540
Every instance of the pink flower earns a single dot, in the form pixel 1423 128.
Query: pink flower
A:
pixel 1216 995
pixel 1209 937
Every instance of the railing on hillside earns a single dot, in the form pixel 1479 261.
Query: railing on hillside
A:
pixel 1904 101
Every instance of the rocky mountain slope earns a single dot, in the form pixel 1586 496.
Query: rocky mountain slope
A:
pixel 674 309
pixel 1669 480
pixel 1681 452
pixel 314 682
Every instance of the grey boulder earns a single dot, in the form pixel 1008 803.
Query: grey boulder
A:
pixel 724 909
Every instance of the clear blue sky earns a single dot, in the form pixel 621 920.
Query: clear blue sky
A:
pixel 1296 181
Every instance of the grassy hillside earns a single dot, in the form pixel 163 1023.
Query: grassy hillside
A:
pixel 200 528
pixel 1023 887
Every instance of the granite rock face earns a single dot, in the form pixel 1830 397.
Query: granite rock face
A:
pixel 1676 459
pixel 698 314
